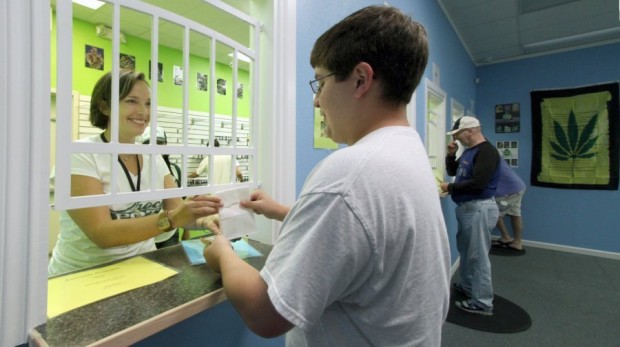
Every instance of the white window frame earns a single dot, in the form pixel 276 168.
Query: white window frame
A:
pixel 64 143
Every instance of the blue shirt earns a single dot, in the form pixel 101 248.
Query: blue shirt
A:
pixel 477 173
pixel 509 182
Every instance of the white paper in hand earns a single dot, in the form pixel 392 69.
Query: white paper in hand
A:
pixel 236 221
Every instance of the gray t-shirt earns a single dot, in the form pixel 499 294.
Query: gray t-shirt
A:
pixel 363 257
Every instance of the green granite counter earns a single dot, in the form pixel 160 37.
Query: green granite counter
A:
pixel 131 316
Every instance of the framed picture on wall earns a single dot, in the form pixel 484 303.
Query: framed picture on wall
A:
pixel 93 57
pixel 177 75
pixel 507 118
pixel 202 82
pixel 127 61
pixel 321 140
pixel 221 86
pixel 160 72
pixel 509 151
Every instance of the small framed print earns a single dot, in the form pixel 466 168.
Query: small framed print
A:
pixel 177 75
pixel 93 57
pixel 509 151
pixel 507 118
pixel 160 72
pixel 127 61
pixel 202 82
pixel 221 86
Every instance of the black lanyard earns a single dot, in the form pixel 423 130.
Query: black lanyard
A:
pixel 120 161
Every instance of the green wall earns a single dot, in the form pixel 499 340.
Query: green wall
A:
pixel 169 95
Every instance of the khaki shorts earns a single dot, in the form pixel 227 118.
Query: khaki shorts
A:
pixel 510 204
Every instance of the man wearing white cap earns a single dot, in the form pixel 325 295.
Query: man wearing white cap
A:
pixel 477 174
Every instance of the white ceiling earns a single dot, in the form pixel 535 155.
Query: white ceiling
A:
pixel 502 30
pixel 492 30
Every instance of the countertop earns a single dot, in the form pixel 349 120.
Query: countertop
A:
pixel 131 316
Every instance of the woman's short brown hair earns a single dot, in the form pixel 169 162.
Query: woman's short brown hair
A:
pixel 101 98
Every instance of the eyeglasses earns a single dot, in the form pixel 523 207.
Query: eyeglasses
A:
pixel 316 86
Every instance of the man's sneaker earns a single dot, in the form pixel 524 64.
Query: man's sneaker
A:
pixel 474 307
pixel 458 288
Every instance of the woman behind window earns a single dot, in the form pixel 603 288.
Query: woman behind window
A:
pixel 96 235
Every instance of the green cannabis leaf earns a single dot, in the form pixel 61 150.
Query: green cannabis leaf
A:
pixel 572 145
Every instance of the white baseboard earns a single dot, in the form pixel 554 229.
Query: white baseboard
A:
pixel 570 249
pixel 551 246
pixel 455 266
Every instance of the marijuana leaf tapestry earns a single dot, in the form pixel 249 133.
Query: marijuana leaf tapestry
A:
pixel 575 137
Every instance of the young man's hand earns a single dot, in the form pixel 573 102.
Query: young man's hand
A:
pixel 261 203
pixel 215 248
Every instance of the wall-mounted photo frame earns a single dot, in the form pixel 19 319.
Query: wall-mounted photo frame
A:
pixel 177 75
pixel 221 86
pixel 509 151
pixel 202 82
pixel 321 141
pixel 507 118
pixel 93 57
pixel 127 61
pixel 160 72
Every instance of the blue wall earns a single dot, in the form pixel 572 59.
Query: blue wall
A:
pixel 578 218
pixel 219 326
pixel 446 50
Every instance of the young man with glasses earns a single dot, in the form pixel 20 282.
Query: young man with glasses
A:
pixel 362 258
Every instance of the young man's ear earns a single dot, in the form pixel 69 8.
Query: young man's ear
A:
pixel 363 74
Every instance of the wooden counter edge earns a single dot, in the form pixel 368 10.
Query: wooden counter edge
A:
pixel 150 326
pixel 162 321
pixel 36 340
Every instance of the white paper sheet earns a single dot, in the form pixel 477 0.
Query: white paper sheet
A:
pixel 236 221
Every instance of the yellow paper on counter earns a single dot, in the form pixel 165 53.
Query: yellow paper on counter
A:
pixel 68 292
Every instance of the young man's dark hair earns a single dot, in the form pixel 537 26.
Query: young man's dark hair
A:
pixel 366 36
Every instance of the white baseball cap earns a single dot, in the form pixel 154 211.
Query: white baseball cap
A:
pixel 466 122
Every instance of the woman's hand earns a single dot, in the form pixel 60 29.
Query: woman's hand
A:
pixel 195 207
pixel 261 203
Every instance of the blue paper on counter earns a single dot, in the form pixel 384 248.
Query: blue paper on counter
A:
pixel 194 250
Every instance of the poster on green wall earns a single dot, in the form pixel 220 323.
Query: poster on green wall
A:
pixel 320 138
pixel 127 61
pixel 202 82
pixel 240 90
pixel 93 57
pixel 177 75
pixel 221 86
pixel 160 72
